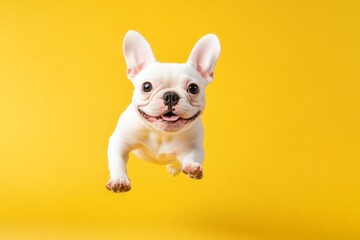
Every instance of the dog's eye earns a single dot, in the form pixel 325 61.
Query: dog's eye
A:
pixel 147 87
pixel 193 88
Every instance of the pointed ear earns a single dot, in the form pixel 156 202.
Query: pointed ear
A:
pixel 204 56
pixel 137 52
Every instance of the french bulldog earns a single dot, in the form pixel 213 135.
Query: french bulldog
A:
pixel 162 124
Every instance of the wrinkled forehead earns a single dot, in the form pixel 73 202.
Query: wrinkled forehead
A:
pixel 169 74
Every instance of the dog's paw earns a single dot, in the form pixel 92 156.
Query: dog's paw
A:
pixel 173 171
pixel 193 170
pixel 174 168
pixel 118 185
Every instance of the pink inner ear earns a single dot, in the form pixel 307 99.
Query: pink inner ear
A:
pixel 135 70
pixel 137 52
pixel 204 56
pixel 202 66
pixel 208 76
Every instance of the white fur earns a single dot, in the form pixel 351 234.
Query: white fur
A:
pixel 180 147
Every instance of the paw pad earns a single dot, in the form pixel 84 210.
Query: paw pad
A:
pixel 193 171
pixel 118 186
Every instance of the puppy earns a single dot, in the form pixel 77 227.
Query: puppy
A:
pixel 162 124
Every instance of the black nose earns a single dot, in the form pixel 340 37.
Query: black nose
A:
pixel 171 99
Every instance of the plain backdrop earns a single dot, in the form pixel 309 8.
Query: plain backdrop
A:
pixel 282 121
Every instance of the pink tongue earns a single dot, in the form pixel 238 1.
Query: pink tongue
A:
pixel 172 118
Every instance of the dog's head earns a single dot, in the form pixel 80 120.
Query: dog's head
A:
pixel 169 97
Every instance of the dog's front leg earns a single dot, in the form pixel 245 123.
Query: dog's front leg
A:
pixel 191 162
pixel 118 155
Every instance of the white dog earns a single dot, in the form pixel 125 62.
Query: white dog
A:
pixel 162 124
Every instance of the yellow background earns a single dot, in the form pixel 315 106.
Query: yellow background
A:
pixel 282 121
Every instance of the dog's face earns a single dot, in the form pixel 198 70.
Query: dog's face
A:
pixel 169 97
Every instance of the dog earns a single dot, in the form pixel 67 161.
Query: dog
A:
pixel 162 124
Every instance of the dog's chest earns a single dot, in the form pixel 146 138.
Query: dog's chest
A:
pixel 158 149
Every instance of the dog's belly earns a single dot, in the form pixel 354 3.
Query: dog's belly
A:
pixel 147 155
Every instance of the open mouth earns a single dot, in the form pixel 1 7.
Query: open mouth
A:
pixel 168 117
